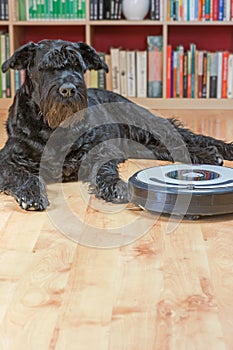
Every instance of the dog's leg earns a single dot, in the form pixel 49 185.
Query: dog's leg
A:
pixel 100 169
pixel 108 184
pixel 205 154
pixel 205 149
pixel 28 189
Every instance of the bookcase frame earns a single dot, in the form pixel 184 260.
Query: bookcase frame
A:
pixel 15 29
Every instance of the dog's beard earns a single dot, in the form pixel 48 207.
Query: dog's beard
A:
pixel 56 110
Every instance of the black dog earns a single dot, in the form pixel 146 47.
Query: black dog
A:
pixel 54 89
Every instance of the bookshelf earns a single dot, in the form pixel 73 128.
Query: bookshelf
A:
pixel 211 35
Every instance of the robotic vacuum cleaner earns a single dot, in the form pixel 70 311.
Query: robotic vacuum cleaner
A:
pixel 190 190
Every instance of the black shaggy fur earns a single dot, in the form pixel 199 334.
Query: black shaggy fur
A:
pixel 54 89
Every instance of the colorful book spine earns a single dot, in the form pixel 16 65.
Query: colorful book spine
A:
pixel 155 65
pixel 221 10
pixel 168 70
pixel 225 58
pixel 185 76
pixel 215 10
pixel 200 74
pixel 193 57
pixel 230 77
pixel 204 75
pixel 207 10
pixel 181 70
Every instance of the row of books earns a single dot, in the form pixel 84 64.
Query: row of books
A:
pixel 51 9
pixel 200 10
pixel 5 82
pixel 133 73
pixel 198 73
pixel 190 73
pixel 112 10
pixel 4 10
pixel 105 9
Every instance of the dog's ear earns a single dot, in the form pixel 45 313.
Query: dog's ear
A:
pixel 90 57
pixel 20 59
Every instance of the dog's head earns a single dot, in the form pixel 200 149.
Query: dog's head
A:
pixel 55 75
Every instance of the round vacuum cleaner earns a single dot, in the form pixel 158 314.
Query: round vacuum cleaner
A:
pixel 190 190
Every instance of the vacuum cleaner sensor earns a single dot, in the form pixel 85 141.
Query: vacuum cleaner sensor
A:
pixel 191 190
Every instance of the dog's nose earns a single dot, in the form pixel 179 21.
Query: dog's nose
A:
pixel 67 90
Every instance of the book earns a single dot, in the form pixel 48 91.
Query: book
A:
pixel 227 10
pixel 141 64
pixel 123 72
pixel 3 59
pixel 91 9
pixel 230 77
pixel 204 75
pixel 131 73
pixel 189 87
pixel 93 79
pixel 168 71
pixel 193 57
pixel 157 10
pixel 200 74
pixel 219 78
pixel 101 74
pixel 215 10
pixel 207 10
pixel 17 80
pixel 152 9
pixel 196 73
pixel 181 70
pixel 155 65
pixel 107 9
pixel 21 10
pixel 225 57
pixel 101 9
pixel 115 68
pixel 8 76
pixel 109 74
pixel 175 69
pixel 221 10
pixel 213 74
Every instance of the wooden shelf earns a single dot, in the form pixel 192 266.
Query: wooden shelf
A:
pixel 50 23
pixel 184 103
pixel 198 23
pixel 163 103
pixel 91 29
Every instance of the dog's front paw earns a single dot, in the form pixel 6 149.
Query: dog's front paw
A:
pixel 207 155
pixel 214 156
pixel 120 192
pixel 115 193
pixel 32 194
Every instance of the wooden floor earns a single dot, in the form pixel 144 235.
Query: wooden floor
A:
pixel 162 291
